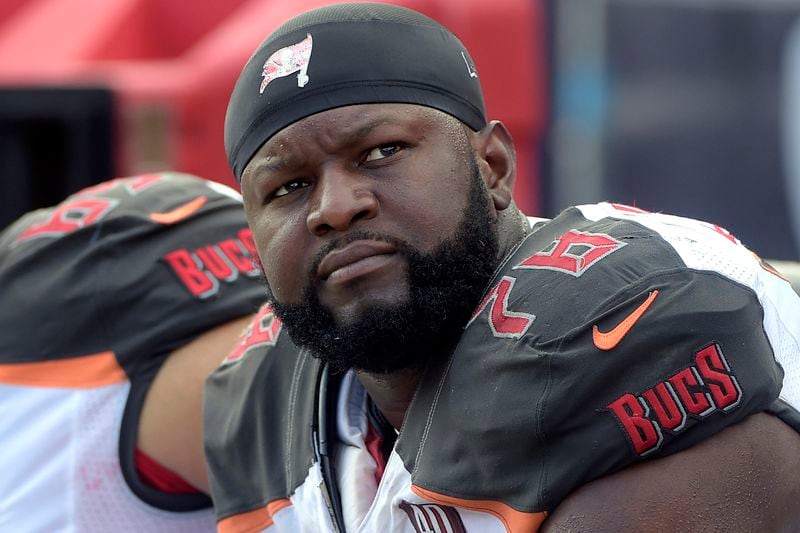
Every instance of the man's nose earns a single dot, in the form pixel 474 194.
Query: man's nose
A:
pixel 342 198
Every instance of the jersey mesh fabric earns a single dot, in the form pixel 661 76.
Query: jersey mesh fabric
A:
pixel 103 501
pixel 101 492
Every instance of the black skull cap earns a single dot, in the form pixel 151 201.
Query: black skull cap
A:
pixel 346 54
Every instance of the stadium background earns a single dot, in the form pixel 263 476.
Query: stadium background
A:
pixel 684 106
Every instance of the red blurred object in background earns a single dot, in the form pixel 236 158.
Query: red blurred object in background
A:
pixel 171 66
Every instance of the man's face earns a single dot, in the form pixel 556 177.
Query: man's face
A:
pixel 374 230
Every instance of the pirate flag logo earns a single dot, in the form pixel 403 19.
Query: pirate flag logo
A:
pixel 286 61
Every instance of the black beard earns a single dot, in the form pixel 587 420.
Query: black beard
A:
pixel 445 286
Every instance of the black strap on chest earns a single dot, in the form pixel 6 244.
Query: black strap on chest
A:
pixel 324 445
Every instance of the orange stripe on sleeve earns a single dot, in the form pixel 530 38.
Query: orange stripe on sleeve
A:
pixel 83 372
pixel 252 521
pixel 513 520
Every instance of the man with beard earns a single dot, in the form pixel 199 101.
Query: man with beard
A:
pixel 431 360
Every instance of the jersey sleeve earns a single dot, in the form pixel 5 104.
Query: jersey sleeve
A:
pixel 258 413
pixel 561 379
pixel 691 365
pixel 136 266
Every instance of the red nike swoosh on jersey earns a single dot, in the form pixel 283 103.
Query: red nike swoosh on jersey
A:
pixel 607 341
pixel 179 213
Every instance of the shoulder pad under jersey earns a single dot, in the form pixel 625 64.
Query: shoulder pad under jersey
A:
pixel 609 336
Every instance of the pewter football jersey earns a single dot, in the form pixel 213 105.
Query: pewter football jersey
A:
pixel 96 292
pixel 609 336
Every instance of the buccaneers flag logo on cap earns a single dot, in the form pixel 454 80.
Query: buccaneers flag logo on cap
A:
pixel 286 61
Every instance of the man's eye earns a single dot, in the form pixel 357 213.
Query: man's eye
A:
pixel 292 186
pixel 382 152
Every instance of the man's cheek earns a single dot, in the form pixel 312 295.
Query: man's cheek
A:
pixel 286 280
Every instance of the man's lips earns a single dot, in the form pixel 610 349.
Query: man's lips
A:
pixel 353 258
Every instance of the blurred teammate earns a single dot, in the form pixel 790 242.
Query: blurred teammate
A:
pixel 430 361
pixel 115 305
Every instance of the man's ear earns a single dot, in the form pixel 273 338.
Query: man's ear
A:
pixel 497 159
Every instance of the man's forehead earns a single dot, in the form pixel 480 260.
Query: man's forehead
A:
pixel 348 119
pixel 348 124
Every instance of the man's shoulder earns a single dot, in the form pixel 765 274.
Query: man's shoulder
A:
pixel 603 339
pixel 259 407
pixel 581 261
pixel 136 266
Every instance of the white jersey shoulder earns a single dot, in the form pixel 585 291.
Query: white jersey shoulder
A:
pixel 61 466
pixel 706 246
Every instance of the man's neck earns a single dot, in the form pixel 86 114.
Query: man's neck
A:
pixel 392 393
pixel 513 227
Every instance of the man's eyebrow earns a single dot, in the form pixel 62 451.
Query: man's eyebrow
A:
pixel 353 137
pixel 259 169
pixel 276 163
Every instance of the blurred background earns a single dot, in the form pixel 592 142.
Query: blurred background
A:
pixel 685 106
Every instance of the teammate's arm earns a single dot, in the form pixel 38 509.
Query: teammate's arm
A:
pixel 170 427
pixel 742 479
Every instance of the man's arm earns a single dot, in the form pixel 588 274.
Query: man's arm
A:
pixel 743 479
pixel 170 427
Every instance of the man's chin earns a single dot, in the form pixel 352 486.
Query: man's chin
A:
pixel 349 302
pixel 357 311
pixel 371 338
